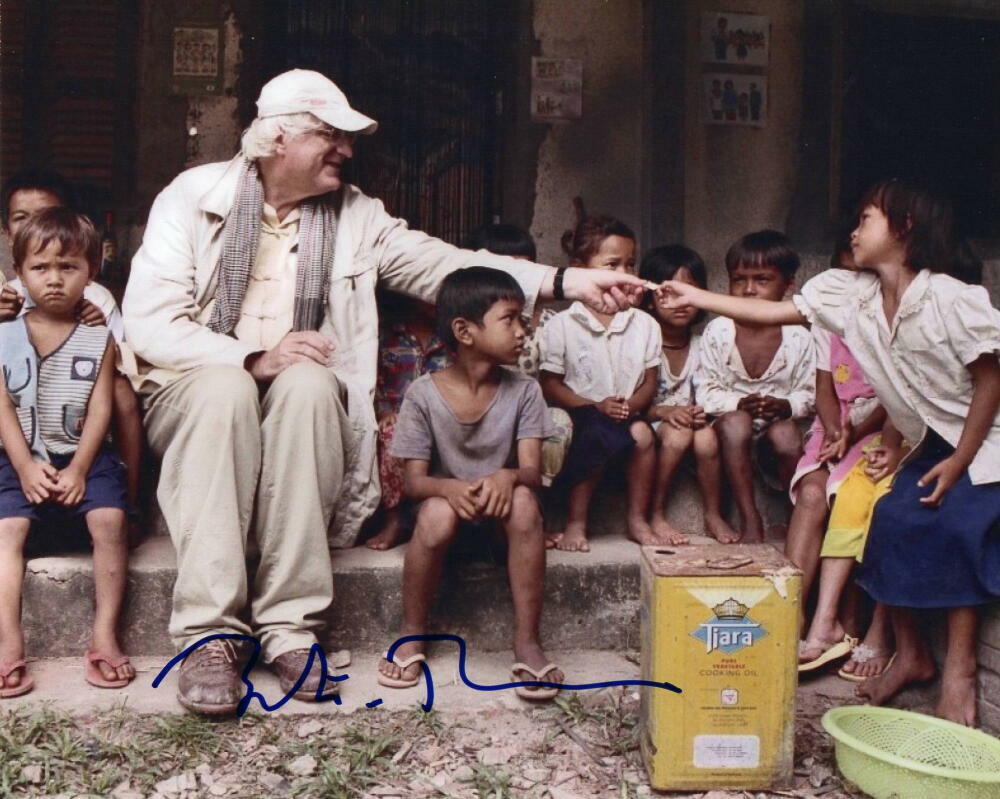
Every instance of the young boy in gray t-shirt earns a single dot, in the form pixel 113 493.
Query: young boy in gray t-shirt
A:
pixel 471 439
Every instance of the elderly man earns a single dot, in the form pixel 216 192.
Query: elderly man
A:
pixel 251 308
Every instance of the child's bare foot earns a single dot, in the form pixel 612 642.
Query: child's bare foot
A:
pixel 879 690
pixel 107 644
pixel 572 539
pixel 389 534
pixel 720 530
pixel 403 653
pixel 958 696
pixel 753 530
pixel 640 532
pixel 666 533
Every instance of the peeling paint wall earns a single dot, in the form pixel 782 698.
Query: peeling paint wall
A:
pixel 741 179
pixel 597 157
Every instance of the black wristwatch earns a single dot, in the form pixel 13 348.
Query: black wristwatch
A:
pixel 557 284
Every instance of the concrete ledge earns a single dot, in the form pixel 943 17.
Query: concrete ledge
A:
pixel 591 600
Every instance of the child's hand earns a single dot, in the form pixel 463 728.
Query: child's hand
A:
pixel 10 303
pixel 678 417
pixel 847 438
pixel 675 295
pixel 70 487
pixel 770 408
pixel 462 498
pixel 749 403
pixel 830 448
pixel 89 314
pixel 882 461
pixel 947 473
pixel 614 408
pixel 39 481
pixel 496 494
pixel 698 417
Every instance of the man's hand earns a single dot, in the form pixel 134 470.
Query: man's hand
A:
pixel 462 497
pixel 304 346
pixel 614 408
pixel 70 486
pixel 946 473
pixel 39 481
pixel 495 494
pixel 10 303
pixel 603 290
pixel 89 314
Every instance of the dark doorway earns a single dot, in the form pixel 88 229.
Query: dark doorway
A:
pixel 920 101
pixel 429 72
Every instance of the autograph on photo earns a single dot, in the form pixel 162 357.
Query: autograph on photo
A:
pixel 328 689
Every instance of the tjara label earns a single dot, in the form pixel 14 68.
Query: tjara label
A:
pixel 730 629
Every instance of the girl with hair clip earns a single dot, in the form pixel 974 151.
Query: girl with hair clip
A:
pixel 928 344
pixel 602 369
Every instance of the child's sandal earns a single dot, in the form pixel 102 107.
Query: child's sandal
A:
pixel 8 667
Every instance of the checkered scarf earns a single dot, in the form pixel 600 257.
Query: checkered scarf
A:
pixel 317 236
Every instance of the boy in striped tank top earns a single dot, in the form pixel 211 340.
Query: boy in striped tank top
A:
pixel 54 418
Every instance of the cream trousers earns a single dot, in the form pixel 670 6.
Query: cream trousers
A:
pixel 233 459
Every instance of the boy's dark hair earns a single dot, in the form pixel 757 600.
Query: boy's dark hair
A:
pixel 74 233
pixel 763 248
pixel 921 220
pixel 586 238
pixel 842 244
pixel 38 180
pixel 469 294
pixel 662 263
pixel 503 239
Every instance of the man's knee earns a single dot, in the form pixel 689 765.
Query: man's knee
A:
pixel 223 391
pixel 308 384
pixel 436 523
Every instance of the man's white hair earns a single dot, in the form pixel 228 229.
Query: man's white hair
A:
pixel 259 140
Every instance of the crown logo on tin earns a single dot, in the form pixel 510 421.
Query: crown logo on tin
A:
pixel 730 610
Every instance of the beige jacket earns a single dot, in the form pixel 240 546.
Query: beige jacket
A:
pixel 172 286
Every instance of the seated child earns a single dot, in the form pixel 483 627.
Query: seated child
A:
pixel 757 380
pixel 503 239
pixel 471 438
pixel 408 348
pixel 54 417
pixel 26 193
pixel 679 423
pixel 602 369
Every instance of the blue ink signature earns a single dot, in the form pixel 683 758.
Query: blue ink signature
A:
pixel 322 695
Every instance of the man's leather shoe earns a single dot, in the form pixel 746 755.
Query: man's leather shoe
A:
pixel 210 680
pixel 289 667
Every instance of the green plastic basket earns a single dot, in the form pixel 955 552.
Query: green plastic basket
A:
pixel 894 754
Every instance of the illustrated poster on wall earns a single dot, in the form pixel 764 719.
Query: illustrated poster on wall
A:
pixel 731 99
pixel 197 61
pixel 556 89
pixel 739 39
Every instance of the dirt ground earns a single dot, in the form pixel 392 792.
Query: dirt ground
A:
pixel 581 746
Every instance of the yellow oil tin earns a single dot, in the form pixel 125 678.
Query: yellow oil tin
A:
pixel 720 623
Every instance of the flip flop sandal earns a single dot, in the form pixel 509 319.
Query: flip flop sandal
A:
pixel 92 673
pixel 833 652
pixel 8 667
pixel 539 694
pixel 392 682
pixel 862 654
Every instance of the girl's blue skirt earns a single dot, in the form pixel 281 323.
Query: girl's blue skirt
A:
pixel 925 557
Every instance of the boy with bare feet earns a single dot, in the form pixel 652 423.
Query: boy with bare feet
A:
pixel 471 438
pixel 54 416
pixel 757 380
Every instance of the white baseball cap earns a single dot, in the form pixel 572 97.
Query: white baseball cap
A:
pixel 303 90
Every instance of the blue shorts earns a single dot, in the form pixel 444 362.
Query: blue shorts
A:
pixel 106 488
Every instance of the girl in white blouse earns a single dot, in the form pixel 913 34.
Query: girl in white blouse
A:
pixel 929 346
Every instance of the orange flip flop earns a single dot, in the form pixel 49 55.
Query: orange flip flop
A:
pixel 8 667
pixel 92 673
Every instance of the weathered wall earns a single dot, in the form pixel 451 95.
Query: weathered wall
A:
pixel 597 157
pixel 740 179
